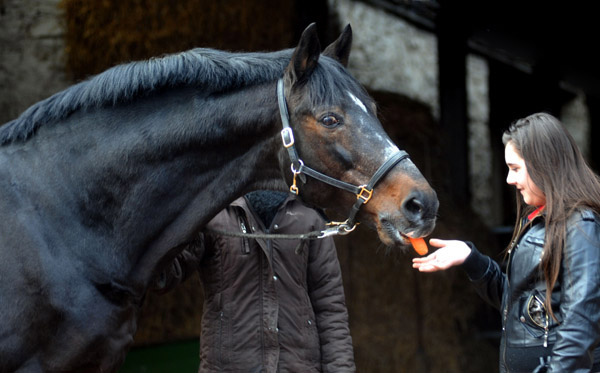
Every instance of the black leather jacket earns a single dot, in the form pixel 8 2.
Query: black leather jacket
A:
pixel 569 344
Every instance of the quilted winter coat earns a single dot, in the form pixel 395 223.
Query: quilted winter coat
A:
pixel 269 305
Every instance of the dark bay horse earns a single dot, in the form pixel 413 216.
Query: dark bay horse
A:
pixel 102 182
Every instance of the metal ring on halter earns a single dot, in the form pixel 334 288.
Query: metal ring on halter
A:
pixel 296 172
pixel 341 227
pixel 345 228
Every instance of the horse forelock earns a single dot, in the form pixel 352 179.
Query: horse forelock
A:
pixel 208 69
pixel 329 84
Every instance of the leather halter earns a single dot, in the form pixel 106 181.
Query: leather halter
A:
pixel 363 192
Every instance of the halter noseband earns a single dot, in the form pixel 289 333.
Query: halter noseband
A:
pixel 363 192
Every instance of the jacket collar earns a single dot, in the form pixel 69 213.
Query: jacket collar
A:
pixel 242 203
pixel 535 213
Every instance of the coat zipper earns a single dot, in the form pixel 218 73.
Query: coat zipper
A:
pixel 244 229
pixel 513 245
pixel 546 324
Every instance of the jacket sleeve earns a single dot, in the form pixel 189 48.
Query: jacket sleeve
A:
pixel 182 267
pixel 579 332
pixel 326 292
pixel 487 277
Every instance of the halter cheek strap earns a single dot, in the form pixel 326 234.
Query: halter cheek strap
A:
pixel 299 169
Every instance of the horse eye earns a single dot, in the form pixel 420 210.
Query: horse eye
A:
pixel 330 121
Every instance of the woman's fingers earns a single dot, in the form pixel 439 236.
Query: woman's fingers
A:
pixel 424 259
pixel 436 242
pixel 427 263
pixel 449 254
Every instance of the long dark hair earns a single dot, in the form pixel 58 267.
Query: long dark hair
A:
pixel 556 166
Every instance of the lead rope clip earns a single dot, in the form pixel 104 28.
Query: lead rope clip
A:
pixel 294 187
pixel 340 228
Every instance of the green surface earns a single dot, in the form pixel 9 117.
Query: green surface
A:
pixel 180 357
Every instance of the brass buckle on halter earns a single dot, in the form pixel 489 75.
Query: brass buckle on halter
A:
pixel 364 194
pixel 294 187
pixel 287 136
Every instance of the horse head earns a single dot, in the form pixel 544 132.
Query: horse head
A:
pixel 334 131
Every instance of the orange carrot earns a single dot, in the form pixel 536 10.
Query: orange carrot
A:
pixel 419 245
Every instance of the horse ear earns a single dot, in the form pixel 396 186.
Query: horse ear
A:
pixel 339 50
pixel 305 56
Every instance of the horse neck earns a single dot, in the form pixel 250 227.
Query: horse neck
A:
pixel 143 178
pixel 234 152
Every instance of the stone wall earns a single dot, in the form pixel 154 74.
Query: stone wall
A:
pixel 32 60
pixel 389 54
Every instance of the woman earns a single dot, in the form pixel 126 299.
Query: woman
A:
pixel 549 296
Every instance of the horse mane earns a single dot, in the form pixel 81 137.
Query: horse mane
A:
pixel 210 69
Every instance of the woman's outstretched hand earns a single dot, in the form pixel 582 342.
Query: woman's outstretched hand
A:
pixel 449 254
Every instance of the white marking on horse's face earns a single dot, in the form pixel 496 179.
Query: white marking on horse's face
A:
pixel 391 149
pixel 387 147
pixel 358 102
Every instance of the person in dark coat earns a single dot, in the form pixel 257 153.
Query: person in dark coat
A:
pixel 269 305
pixel 549 297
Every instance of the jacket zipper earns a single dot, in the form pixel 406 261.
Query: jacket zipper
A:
pixel 543 325
pixel 546 332
pixel 546 326
pixel 513 245
pixel 244 228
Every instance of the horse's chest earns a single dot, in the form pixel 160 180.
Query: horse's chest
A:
pixel 73 330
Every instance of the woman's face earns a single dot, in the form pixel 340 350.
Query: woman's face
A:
pixel 518 176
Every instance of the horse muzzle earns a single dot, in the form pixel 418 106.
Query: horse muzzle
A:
pixel 414 216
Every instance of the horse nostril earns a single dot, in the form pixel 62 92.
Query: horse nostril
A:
pixel 413 207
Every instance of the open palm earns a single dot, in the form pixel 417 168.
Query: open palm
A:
pixel 450 253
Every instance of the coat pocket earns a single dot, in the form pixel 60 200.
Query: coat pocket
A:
pixel 215 336
pixel 311 337
pixel 537 250
pixel 536 311
pixel 534 317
